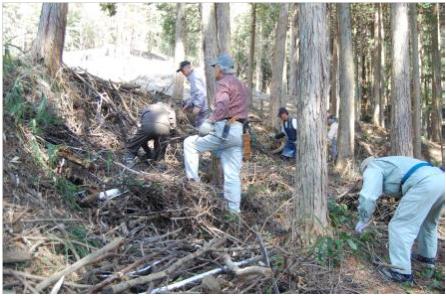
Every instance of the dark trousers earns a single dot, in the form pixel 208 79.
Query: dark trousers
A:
pixel 140 139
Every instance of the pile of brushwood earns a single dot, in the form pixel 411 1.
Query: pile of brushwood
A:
pixel 77 220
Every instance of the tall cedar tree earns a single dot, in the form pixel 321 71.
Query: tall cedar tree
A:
pixel 310 218
pixel 277 65
pixel 416 96
pixel 401 117
pixel 179 49
pixel 210 49
pixel 346 131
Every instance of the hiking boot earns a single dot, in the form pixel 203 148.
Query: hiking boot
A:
pixel 427 263
pixel 394 276
pixel 129 159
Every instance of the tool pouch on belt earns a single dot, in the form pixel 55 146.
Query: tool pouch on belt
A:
pixel 246 137
pixel 246 141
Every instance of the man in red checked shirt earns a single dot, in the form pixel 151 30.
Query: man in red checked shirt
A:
pixel 222 132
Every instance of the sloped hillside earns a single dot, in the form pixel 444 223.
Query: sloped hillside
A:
pixel 63 142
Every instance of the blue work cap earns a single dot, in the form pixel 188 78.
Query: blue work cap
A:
pixel 224 60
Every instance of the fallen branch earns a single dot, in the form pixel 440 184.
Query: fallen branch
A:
pixel 118 288
pixel 280 148
pixel 40 278
pixel 267 261
pixel 55 220
pixel 201 276
pixel 79 264
pixel 124 104
pixel 117 275
pixel 355 185
pixel 147 176
pixel 266 271
pixel 16 255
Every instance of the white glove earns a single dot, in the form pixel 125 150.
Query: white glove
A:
pixel 205 128
pixel 360 226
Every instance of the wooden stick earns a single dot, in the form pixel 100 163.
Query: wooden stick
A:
pixel 267 261
pixel 79 264
pixel 51 220
pixel 124 104
pixel 118 275
pixel 40 278
pixel 247 270
pixel 199 277
pixel 118 288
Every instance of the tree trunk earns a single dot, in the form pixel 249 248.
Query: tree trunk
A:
pixel 334 71
pixel 284 90
pixel 294 49
pixel 310 218
pixel 258 56
pixel 277 65
pixel 359 87
pixel 401 125
pixel 363 84
pixel 49 43
pixel 358 90
pixel 436 81
pixel 382 90
pixel 209 47
pixel 416 99
pixel 223 23
pixel 179 50
pixel 251 52
pixel 346 131
pixel 376 68
pixel 284 80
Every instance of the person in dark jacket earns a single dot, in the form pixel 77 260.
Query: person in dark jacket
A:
pixel 288 130
pixel 157 121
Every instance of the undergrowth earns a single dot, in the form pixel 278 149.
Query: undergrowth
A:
pixel 35 118
pixel 332 250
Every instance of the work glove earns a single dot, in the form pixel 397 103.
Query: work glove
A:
pixel 206 128
pixel 360 226
pixel 279 136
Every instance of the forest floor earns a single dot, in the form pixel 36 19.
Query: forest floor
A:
pixel 63 143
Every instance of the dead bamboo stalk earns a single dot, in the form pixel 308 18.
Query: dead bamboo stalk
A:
pixel 79 264
pixel 118 288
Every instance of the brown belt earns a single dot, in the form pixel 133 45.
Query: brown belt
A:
pixel 242 121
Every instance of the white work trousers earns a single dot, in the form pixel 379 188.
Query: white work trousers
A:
pixel 230 152
pixel 416 217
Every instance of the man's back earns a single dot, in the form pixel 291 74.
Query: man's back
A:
pixel 238 95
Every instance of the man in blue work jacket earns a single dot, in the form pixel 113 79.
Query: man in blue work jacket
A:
pixel 422 189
